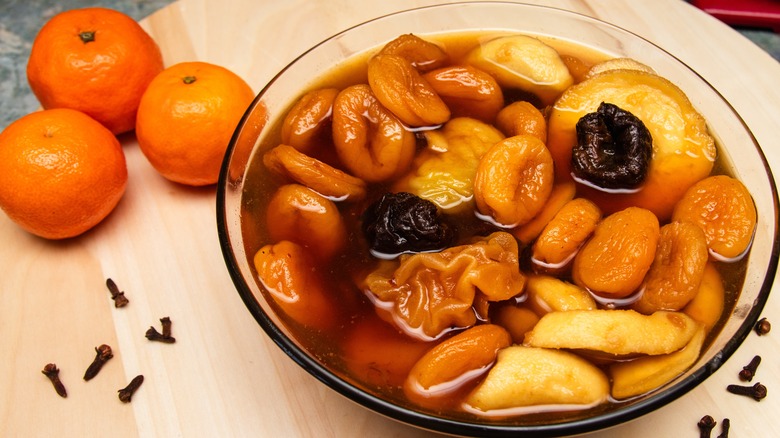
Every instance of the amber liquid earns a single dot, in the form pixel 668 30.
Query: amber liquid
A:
pixel 363 348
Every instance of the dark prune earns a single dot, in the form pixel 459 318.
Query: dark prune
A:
pixel 403 222
pixel 613 149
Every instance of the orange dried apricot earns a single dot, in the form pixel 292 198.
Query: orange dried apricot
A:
pixel 370 141
pixel 516 320
pixel 326 180
pixel 308 119
pixel 404 92
pixel 423 55
pixel 440 370
pixel 613 263
pixel 706 307
pixel 467 91
pixel 522 117
pixel 577 67
pixel 287 272
pixel 723 208
pixel 564 235
pixel 674 278
pixel 514 179
pixel 307 218
pixel 683 151
pixel 561 193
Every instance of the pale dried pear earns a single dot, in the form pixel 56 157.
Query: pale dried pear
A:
pixel 616 332
pixel 549 294
pixel 618 64
pixel 647 373
pixel 524 63
pixel 525 376
pixel 444 172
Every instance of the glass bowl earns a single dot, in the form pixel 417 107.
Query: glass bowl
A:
pixel 738 149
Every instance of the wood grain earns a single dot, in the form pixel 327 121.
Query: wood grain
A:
pixel 224 377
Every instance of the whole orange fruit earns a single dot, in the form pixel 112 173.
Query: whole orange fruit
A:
pixel 96 60
pixel 61 172
pixel 186 119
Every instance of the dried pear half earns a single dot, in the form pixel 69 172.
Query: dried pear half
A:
pixel 549 294
pixel 683 152
pixel 525 63
pixel 647 373
pixel 616 332
pixel 524 376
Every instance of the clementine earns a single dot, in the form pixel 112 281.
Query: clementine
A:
pixel 186 119
pixel 61 172
pixel 96 60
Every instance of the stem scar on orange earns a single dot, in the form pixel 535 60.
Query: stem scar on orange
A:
pixel 61 172
pixel 186 119
pixel 95 60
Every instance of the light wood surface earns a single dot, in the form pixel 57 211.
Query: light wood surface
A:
pixel 223 376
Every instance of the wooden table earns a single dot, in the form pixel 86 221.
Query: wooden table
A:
pixel 224 377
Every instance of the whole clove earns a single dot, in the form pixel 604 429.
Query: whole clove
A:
pixel 103 354
pixel 53 373
pixel 153 335
pixel 706 424
pixel 749 370
pixel 757 392
pixel 119 297
pixel 762 327
pixel 126 393
pixel 724 428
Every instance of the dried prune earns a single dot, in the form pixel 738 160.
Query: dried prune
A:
pixel 402 222
pixel 613 149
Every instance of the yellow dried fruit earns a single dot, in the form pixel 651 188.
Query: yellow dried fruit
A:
pixel 308 119
pixel 525 376
pixel 563 236
pixel 638 376
pixel 525 63
pixel 423 55
pixel 616 332
pixel 549 294
pixel 520 118
pixel 515 319
pixel 618 64
pixel 706 307
pixel 467 91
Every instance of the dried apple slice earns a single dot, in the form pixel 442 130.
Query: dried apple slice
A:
pixel 683 151
pixel 549 294
pixel 616 332
pixel 524 376
pixel 647 373
pixel 524 63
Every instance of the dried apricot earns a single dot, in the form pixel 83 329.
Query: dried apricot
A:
pixel 674 278
pixel 423 55
pixel 517 320
pixel 723 208
pixel 525 63
pixel 308 119
pixel 287 272
pixel 445 366
pixel 613 263
pixel 404 92
pixel 303 216
pixel 371 142
pixel 683 151
pixel 577 67
pixel 561 194
pixel 513 180
pixel 563 236
pixel 522 117
pixel 706 307
pixel 467 91
pixel 326 180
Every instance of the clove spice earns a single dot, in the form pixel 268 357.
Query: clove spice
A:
pixel 706 424
pixel 153 335
pixel 53 373
pixel 756 392
pixel 762 327
pixel 103 354
pixel 119 297
pixel 126 393
pixel 749 370
pixel 724 428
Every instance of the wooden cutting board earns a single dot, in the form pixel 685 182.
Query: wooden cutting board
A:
pixel 223 376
